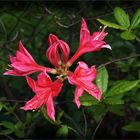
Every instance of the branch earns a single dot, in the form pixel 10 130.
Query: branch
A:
pixel 74 124
pixel 96 129
pixel 119 59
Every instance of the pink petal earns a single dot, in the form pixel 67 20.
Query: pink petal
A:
pixel 44 80
pixel 84 72
pixel 56 87
pixel 13 72
pixel 12 59
pixel 53 55
pixel 65 50
pixel 84 33
pixel 78 93
pixel 34 103
pixel 24 67
pixel 24 51
pixel 23 58
pixel 31 83
pixel 50 108
pixel 52 39
pixel 98 36
pixel 92 89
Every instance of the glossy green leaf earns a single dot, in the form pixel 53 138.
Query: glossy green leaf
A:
pixel 122 17
pixel 111 25
pixel 63 131
pixel 135 20
pixel 88 100
pixel 132 126
pixel 128 35
pixel 121 88
pixel 102 79
pixel 114 101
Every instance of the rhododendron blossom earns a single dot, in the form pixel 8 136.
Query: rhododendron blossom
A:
pixel 82 78
pixel 45 90
pixel 23 64
pixel 89 43
pixel 58 54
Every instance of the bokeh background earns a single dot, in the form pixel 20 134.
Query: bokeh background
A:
pixel 32 22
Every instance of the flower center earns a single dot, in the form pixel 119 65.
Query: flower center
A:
pixel 62 71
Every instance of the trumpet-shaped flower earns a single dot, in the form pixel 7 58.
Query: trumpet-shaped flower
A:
pixel 23 64
pixel 89 43
pixel 82 78
pixel 53 54
pixel 45 90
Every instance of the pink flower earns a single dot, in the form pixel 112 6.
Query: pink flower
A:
pixel 53 54
pixel 23 64
pixel 45 90
pixel 82 78
pixel 89 43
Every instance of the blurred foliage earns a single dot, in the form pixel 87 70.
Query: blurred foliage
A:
pixel 117 114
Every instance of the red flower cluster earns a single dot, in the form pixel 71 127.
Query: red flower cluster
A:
pixel 58 53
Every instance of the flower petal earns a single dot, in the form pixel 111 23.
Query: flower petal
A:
pixel 50 108
pixel 78 92
pixel 25 52
pixel 32 104
pixel 44 80
pixel 52 39
pixel 56 87
pixel 84 32
pixel 31 83
pixel 98 36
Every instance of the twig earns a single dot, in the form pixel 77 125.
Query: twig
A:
pixel 73 130
pixel 32 127
pixel 9 137
pixel 85 119
pixel 138 39
pixel 7 100
pixel 96 129
pixel 119 59
pixel 74 124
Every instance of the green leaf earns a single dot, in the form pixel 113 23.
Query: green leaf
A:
pixel 128 35
pixel 7 124
pixel 102 79
pixel 121 88
pixel 1 105
pixel 136 106
pixel 135 20
pixel 122 17
pixel 63 131
pixel 98 111
pixel 111 25
pixel 117 109
pixel 114 101
pixel 6 131
pixel 88 100
pixel 132 126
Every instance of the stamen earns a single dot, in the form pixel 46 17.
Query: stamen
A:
pixel 104 28
pixel 9 65
pixel 59 63
pixel 100 28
